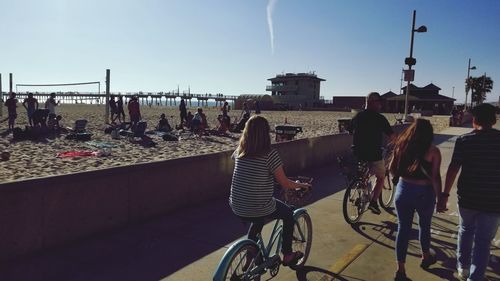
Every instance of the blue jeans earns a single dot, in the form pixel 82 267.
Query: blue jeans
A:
pixel 478 228
pixel 410 198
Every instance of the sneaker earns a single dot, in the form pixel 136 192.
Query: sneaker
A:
pixel 463 273
pixel 401 276
pixel 428 262
pixel 292 259
pixel 374 208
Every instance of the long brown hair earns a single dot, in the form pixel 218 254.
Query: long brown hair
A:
pixel 255 140
pixel 411 146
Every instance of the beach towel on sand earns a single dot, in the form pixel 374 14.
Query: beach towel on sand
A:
pixel 78 153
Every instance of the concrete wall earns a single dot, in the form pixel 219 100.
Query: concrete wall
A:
pixel 43 213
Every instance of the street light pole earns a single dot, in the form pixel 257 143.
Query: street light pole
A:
pixel 468 84
pixel 411 61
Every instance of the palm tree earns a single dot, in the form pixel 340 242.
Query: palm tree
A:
pixel 480 86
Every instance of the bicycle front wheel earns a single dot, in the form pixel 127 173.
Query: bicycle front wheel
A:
pixel 352 205
pixel 387 192
pixel 302 237
pixel 242 265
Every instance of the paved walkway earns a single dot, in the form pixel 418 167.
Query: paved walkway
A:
pixel 188 245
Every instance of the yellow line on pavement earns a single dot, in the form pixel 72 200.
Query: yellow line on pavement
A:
pixel 348 258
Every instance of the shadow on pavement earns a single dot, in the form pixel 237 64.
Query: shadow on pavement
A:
pixel 315 273
pixel 154 249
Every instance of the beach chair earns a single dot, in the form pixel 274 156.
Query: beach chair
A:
pixel 79 131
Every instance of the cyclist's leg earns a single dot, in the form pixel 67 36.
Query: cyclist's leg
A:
pixel 256 225
pixel 377 168
pixel 285 213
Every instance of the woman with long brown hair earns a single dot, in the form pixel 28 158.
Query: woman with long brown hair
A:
pixel 256 167
pixel 417 163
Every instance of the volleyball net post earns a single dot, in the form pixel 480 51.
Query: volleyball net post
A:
pixel 106 117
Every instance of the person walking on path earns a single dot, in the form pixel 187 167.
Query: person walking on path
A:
pixel 11 104
pixel 478 189
pixel 257 165
pixel 30 104
pixel 368 129
pixel 417 164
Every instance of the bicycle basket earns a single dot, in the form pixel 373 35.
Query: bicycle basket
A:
pixel 297 197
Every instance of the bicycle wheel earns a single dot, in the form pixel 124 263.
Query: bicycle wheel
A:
pixel 242 265
pixel 387 192
pixel 302 238
pixel 352 205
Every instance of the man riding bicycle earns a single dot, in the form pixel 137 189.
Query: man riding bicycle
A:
pixel 368 127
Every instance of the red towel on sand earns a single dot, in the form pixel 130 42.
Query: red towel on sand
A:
pixel 78 153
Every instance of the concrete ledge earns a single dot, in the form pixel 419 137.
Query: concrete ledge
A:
pixel 39 214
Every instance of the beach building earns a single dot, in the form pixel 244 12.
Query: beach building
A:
pixel 296 90
pixel 425 100
pixel 348 102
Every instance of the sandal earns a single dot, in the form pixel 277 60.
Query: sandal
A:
pixel 293 261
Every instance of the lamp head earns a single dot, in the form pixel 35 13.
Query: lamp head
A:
pixel 472 68
pixel 422 28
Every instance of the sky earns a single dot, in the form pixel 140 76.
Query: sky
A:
pixel 233 46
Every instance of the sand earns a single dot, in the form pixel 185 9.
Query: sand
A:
pixel 38 159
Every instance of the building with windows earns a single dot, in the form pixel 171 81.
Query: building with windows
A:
pixel 296 89
pixel 421 99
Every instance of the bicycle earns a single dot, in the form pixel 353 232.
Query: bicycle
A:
pixel 358 193
pixel 248 260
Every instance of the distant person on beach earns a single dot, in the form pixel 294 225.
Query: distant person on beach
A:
pixel 119 109
pixel 113 109
pixel 368 129
pixel 11 104
pixel 51 103
pixel 257 107
pixel 225 114
pixel 256 168
pixel 416 162
pixel 189 119
pixel 183 113
pixel 163 125
pixel 199 122
pixel 134 111
pixel 478 155
pixel 40 117
pixel 30 104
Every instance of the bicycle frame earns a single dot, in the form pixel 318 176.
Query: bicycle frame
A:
pixel 275 239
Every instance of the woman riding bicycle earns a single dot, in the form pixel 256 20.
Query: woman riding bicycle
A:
pixel 252 187
pixel 417 162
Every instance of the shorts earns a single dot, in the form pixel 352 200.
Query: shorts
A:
pixel 12 116
pixel 30 112
pixel 377 168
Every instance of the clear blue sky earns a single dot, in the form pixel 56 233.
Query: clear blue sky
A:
pixel 224 46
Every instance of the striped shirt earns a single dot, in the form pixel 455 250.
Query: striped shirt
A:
pixel 479 183
pixel 252 186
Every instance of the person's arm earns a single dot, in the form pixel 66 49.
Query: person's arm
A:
pixel 24 104
pixel 451 174
pixel 436 171
pixel 36 104
pixel 285 182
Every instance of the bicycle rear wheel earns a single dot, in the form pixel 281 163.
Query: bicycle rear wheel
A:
pixel 302 238
pixel 242 265
pixel 387 192
pixel 352 205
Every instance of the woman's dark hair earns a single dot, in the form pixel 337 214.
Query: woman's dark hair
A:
pixel 411 146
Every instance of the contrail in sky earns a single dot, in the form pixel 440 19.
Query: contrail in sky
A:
pixel 270 10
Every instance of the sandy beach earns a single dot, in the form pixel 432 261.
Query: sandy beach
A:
pixel 38 159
